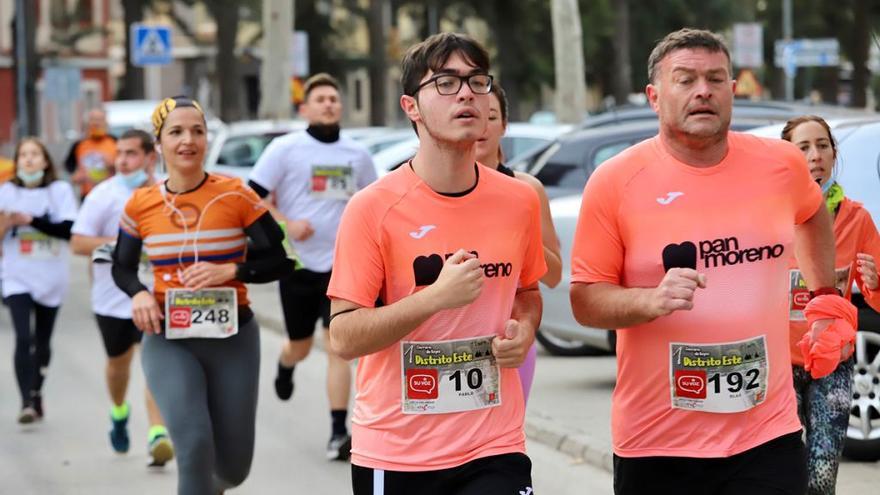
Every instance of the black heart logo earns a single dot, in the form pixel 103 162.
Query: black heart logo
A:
pixel 426 269
pixel 682 255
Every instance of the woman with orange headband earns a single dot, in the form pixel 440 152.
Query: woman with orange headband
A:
pixel 205 236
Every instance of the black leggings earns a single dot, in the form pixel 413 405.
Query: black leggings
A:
pixel 206 390
pixel 32 351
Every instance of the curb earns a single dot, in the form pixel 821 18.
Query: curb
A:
pixel 582 446
pixel 539 427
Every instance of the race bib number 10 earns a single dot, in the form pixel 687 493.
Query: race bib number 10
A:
pixel 719 378
pixel 207 313
pixel 449 376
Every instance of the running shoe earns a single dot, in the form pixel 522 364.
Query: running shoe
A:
pixel 283 387
pixel 119 434
pixel 339 447
pixel 27 415
pixel 161 450
pixel 37 404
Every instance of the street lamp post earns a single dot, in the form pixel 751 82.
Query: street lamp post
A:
pixel 787 35
pixel 21 70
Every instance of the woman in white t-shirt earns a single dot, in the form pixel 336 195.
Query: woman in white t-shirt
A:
pixel 36 213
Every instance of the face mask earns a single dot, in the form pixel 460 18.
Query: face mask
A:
pixel 30 179
pixel 134 180
pixel 827 186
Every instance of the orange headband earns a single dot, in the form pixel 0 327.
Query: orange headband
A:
pixel 160 114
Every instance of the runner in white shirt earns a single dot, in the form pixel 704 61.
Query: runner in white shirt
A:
pixel 313 174
pixel 95 229
pixel 36 213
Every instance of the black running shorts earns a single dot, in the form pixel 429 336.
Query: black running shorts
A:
pixel 777 467
pixel 119 334
pixel 303 301
pixel 505 474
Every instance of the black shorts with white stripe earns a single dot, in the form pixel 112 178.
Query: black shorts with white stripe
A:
pixel 505 474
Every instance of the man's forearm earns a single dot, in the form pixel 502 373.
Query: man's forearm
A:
pixel 605 305
pixel 361 331
pixel 528 307
pixel 814 248
pixel 84 245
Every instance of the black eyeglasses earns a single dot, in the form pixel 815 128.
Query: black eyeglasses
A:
pixel 450 84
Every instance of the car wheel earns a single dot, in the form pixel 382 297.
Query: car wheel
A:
pixel 559 346
pixel 863 435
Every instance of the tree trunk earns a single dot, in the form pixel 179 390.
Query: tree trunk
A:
pixel 509 52
pixel 225 15
pixel 860 55
pixel 568 57
pixel 622 64
pixel 133 81
pixel 379 21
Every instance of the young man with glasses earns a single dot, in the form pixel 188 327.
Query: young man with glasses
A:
pixel 439 403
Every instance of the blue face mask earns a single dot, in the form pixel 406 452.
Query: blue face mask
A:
pixel 827 186
pixel 134 180
pixel 30 178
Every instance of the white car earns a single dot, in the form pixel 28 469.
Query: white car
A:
pixel 237 147
pixel 123 115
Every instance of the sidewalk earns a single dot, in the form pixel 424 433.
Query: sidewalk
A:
pixel 568 412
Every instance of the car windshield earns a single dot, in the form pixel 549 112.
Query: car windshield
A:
pixel 243 151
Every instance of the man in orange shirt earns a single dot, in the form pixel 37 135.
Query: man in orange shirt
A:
pixel 683 244
pixel 90 160
pixel 7 169
pixel 453 251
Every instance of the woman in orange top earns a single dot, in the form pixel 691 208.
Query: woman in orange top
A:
pixel 205 236
pixel 489 153
pixel 824 403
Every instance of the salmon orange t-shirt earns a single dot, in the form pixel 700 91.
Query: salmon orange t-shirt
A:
pixel 642 212
pixel 854 232
pixel 208 221
pixel 94 161
pixel 392 240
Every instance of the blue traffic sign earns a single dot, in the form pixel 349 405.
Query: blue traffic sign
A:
pixel 150 45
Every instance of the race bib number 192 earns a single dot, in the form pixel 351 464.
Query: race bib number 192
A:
pixel 729 377
pixel 207 313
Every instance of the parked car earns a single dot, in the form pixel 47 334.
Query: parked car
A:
pixel 565 165
pixel 520 140
pixel 237 147
pixel 768 111
pixel 377 141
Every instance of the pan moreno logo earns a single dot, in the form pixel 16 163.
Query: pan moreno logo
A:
pixel 724 251
pixel 426 269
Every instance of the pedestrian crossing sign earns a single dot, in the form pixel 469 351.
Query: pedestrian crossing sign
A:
pixel 150 45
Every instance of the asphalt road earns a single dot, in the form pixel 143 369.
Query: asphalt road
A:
pixel 69 452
